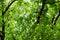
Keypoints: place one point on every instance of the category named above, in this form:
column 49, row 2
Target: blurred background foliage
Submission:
column 21, row 16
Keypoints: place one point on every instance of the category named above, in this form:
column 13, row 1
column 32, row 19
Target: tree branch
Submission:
column 55, row 19
column 3, row 22
column 9, row 6
column 41, row 10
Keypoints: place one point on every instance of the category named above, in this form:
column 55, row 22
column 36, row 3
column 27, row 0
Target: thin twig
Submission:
column 9, row 6
column 55, row 19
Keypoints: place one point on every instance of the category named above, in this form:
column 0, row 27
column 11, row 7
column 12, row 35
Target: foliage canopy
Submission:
column 30, row 19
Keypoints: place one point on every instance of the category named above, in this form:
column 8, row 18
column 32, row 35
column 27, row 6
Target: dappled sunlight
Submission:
column 30, row 20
